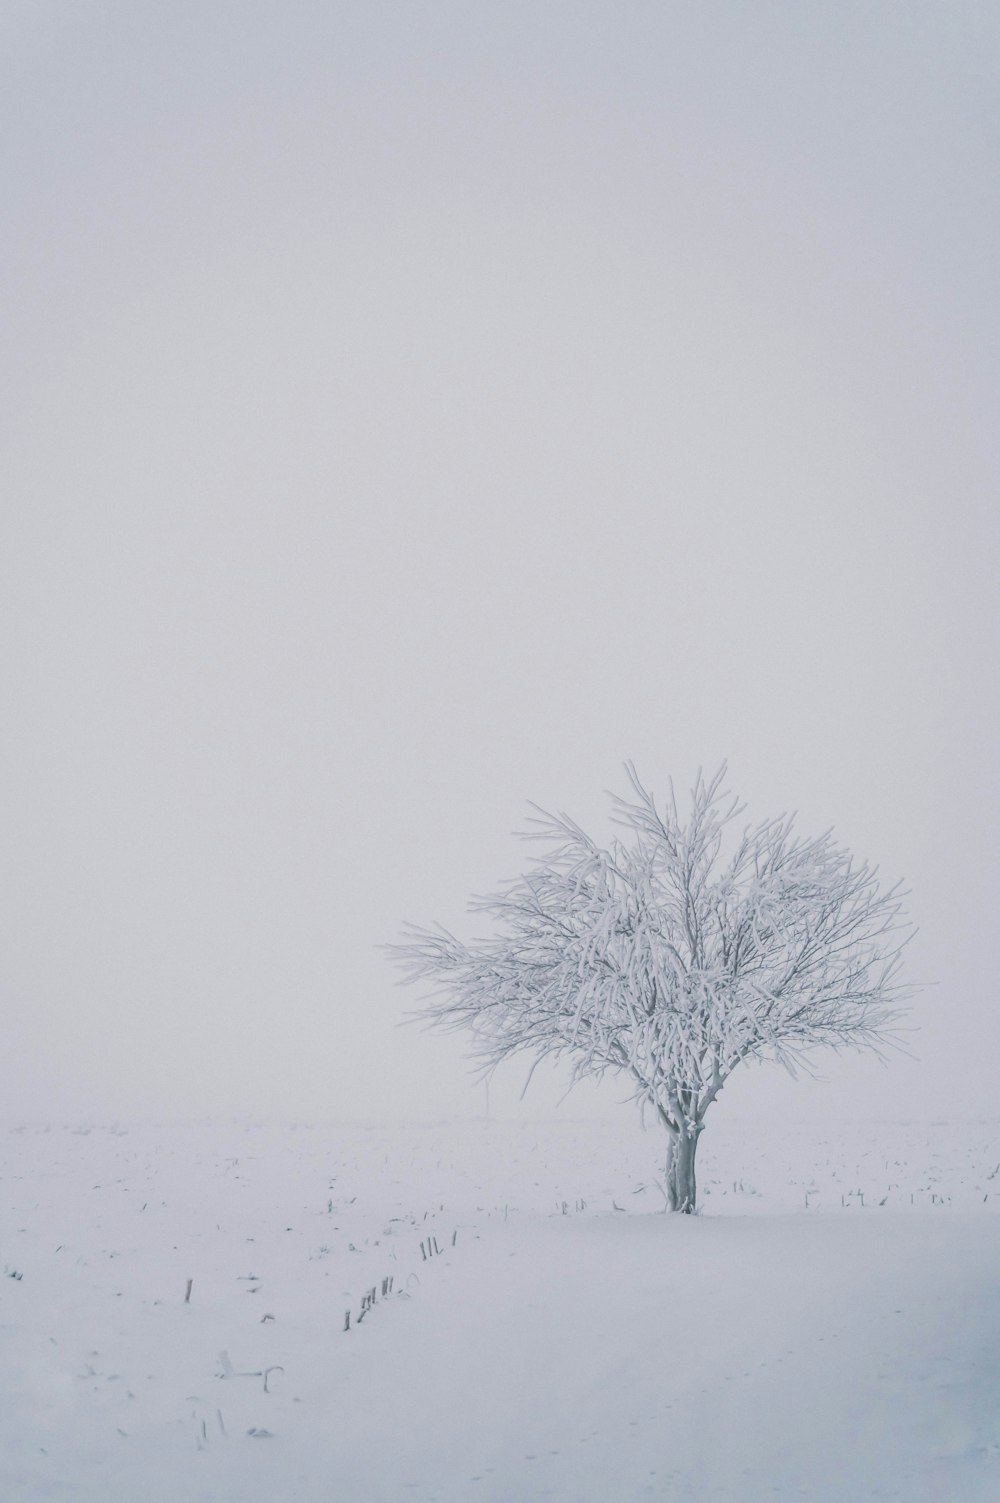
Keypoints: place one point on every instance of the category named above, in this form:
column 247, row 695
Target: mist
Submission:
column 411, row 412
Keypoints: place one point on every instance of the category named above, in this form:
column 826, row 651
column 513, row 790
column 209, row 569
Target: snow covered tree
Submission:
column 672, row 955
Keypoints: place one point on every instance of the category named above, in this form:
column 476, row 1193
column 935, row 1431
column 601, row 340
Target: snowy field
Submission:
column 523, row 1322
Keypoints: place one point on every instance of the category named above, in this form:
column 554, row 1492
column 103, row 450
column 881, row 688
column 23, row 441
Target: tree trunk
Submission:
column 682, row 1190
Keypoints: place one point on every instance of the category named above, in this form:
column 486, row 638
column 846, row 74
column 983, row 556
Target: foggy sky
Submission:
column 413, row 410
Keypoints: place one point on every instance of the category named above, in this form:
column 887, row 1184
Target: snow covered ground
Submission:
column 828, row 1329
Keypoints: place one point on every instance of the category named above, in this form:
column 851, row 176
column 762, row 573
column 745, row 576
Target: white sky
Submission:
column 413, row 410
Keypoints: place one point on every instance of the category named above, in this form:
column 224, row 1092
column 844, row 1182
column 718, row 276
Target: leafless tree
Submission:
column 671, row 955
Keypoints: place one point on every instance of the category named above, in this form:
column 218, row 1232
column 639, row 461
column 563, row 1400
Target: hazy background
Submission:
column 412, row 410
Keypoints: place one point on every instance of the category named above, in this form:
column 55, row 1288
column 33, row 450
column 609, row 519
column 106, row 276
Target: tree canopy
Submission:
column 681, row 948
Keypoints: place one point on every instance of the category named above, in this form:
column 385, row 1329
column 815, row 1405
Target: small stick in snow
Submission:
column 187, row 1292
column 347, row 1320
